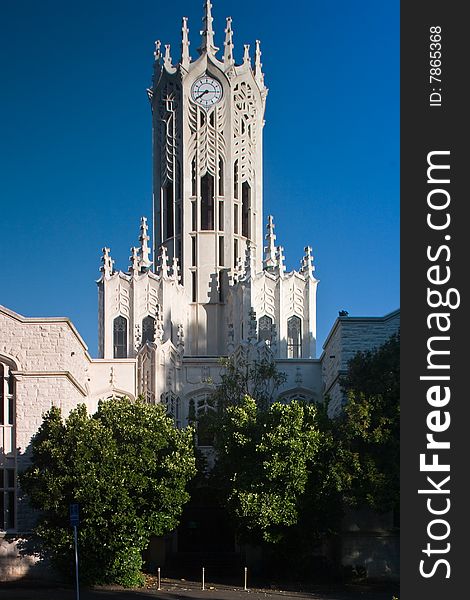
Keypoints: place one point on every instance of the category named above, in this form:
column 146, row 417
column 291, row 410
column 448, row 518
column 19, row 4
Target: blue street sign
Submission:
column 74, row 515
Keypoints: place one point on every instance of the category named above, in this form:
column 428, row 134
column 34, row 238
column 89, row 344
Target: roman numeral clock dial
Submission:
column 206, row 91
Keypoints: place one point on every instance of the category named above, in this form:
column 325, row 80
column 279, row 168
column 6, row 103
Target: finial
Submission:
column 246, row 56
column 207, row 44
column 164, row 268
column 157, row 54
column 175, row 272
column 134, row 258
column 307, row 267
column 281, row 260
column 108, row 263
column 228, row 44
column 144, row 262
column 185, row 58
column 259, row 77
column 167, row 58
column 252, row 326
column 270, row 261
column 249, row 260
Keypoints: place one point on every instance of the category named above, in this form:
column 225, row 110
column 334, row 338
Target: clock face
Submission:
column 206, row 91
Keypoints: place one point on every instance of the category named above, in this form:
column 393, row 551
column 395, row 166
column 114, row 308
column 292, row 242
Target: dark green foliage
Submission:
column 127, row 467
column 262, row 464
column 369, row 429
column 259, row 380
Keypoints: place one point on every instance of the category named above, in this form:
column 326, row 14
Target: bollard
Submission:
column 203, row 578
column 246, row 579
column 159, row 579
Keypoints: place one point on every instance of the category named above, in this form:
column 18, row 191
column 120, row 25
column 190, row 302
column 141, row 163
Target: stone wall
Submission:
column 348, row 336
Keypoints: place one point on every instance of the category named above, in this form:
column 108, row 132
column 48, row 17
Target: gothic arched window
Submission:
column 173, row 407
column 168, row 209
column 265, row 329
column 120, row 337
column 7, row 447
column 202, row 409
column 207, row 202
column 148, row 330
column 294, row 338
column 246, row 201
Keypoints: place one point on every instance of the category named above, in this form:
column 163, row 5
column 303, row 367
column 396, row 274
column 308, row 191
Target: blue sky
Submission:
column 75, row 142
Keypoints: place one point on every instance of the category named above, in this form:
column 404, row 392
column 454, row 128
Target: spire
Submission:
column 108, row 263
column 207, row 44
column 144, row 261
column 270, row 261
column 281, row 260
column 246, row 55
column 228, row 44
column 134, row 258
column 307, row 267
column 167, row 58
column 164, row 268
column 259, row 77
column 157, row 54
column 185, row 58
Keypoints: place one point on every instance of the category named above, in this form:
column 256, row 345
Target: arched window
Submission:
column 246, row 201
column 168, row 209
column 173, row 408
column 7, row 447
column 148, row 330
column 120, row 337
column 294, row 338
column 265, row 329
column 202, row 408
column 207, row 202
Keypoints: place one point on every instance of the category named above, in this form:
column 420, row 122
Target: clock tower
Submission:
column 217, row 284
column 207, row 172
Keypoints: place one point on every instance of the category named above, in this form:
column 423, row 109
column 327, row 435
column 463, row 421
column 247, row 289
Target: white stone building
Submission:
column 217, row 284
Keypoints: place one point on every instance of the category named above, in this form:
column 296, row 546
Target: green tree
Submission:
column 259, row 380
column 369, row 428
column 127, row 467
column 262, row 464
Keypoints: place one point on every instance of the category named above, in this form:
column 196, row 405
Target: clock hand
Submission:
column 201, row 95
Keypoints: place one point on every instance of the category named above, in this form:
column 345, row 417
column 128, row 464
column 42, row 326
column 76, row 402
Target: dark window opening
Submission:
column 265, row 329
column 235, row 253
column 168, row 208
column 194, row 286
column 193, row 178
column 221, row 216
column 212, row 118
column 235, row 218
column 221, row 176
column 235, row 179
column 120, row 337
column 294, row 338
column 246, row 201
column 179, row 179
column 148, row 330
column 221, row 251
column 207, row 202
column 193, row 251
column 193, row 216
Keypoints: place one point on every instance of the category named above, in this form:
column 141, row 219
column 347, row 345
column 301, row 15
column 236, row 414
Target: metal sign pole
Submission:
column 74, row 512
column 76, row 559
